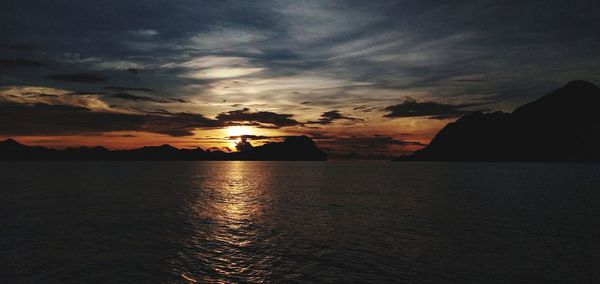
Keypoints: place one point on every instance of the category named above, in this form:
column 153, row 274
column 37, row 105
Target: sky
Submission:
column 367, row 78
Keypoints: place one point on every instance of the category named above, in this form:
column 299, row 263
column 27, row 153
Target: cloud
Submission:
column 331, row 116
column 17, row 46
column 434, row 110
column 52, row 96
column 312, row 21
column 45, row 119
column 48, row 111
column 280, row 84
column 220, row 73
column 225, row 38
column 56, row 111
column 180, row 101
column 363, row 146
column 336, row 54
column 256, row 137
column 471, row 78
column 215, row 67
column 118, row 88
column 373, row 141
column 88, row 78
column 137, row 98
column 376, row 141
column 98, row 63
column 16, row 63
column 260, row 119
column 145, row 33
column 134, row 70
column 365, row 108
column 209, row 61
column 132, row 67
column 74, row 57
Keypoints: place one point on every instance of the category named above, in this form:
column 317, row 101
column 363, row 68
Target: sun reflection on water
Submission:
column 232, row 205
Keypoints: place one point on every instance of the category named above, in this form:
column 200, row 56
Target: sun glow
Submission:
column 238, row 131
column 234, row 132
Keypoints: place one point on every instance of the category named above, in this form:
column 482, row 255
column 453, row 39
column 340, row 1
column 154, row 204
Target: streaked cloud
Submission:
column 219, row 38
column 215, row 67
column 51, row 96
column 329, row 117
column 138, row 98
column 303, row 83
column 87, row 78
column 222, row 72
column 208, row 62
column 145, row 33
column 18, row 63
column 117, row 65
column 260, row 119
column 435, row 110
column 354, row 61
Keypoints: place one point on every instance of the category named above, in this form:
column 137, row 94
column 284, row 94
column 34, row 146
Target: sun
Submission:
column 238, row 131
column 234, row 133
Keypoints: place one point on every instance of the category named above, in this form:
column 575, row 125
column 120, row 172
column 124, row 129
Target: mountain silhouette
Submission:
column 562, row 126
column 293, row 148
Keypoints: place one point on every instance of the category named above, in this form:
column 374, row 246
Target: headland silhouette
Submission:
column 562, row 126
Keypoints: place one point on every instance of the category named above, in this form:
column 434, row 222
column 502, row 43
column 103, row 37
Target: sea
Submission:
column 299, row 222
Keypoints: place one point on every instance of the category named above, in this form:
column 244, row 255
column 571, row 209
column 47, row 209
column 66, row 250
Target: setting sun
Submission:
column 238, row 131
column 269, row 141
column 234, row 133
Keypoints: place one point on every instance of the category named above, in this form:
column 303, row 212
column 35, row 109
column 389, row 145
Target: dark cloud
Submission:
column 434, row 42
column 471, row 80
column 366, row 147
column 179, row 124
column 365, row 108
column 257, row 137
column 261, row 119
column 330, row 54
column 88, row 78
column 17, row 47
column 180, row 101
column 137, row 98
column 331, row 116
column 46, row 95
column 434, row 110
column 45, row 119
column 374, row 141
column 17, row 63
column 362, row 141
column 119, row 88
column 84, row 93
column 318, row 136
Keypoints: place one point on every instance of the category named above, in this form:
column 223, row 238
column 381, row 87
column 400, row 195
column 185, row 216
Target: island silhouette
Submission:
column 563, row 126
column 292, row 148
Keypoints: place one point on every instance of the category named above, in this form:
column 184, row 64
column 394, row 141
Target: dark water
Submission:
column 171, row 222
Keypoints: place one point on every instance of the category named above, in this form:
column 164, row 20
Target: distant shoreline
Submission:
column 293, row 148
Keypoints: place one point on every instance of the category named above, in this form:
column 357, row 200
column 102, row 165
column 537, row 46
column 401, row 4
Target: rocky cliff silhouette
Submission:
column 563, row 126
column 293, row 148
